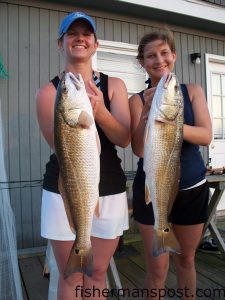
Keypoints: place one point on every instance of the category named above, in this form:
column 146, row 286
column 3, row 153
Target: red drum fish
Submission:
column 77, row 148
column 162, row 147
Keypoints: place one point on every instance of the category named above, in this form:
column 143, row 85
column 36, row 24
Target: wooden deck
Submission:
column 130, row 264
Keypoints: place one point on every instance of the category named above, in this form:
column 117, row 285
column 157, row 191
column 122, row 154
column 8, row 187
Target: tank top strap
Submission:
column 104, row 89
column 55, row 81
column 141, row 96
column 141, row 93
column 188, row 111
column 185, row 91
column 96, row 80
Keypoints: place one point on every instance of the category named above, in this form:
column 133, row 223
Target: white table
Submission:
column 217, row 182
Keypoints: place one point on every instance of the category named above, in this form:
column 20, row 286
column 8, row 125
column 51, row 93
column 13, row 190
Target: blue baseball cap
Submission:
column 69, row 19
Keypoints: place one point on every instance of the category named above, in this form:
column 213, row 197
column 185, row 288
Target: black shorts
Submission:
column 190, row 206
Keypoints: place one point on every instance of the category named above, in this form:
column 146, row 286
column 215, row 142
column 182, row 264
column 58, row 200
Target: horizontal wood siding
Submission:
column 29, row 50
column 217, row 2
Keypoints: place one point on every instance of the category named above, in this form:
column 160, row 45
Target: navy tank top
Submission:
column 112, row 177
column 192, row 165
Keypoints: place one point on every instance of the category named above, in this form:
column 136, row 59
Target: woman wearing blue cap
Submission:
column 108, row 96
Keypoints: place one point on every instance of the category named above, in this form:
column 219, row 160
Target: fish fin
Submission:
column 98, row 142
column 147, row 195
column 146, row 135
column 46, row 270
column 66, row 204
column 165, row 241
column 162, row 120
column 80, row 260
column 71, row 117
column 85, row 120
column 97, row 209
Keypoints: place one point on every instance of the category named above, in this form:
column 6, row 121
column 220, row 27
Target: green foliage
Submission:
column 3, row 73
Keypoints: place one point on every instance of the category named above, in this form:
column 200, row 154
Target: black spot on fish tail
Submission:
column 165, row 241
column 80, row 261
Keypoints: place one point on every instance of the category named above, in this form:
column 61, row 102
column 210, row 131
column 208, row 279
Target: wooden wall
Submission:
column 218, row 2
column 30, row 55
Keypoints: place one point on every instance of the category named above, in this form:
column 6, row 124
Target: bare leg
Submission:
column 157, row 267
column 189, row 237
column 69, row 289
column 103, row 250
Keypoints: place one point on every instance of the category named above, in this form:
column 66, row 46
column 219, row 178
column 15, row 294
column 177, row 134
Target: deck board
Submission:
column 36, row 286
column 212, row 271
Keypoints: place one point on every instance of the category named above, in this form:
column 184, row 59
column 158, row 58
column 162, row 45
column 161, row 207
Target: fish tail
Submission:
column 80, row 260
column 165, row 241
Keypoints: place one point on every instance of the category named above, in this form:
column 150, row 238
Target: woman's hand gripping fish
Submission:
column 77, row 147
column 162, row 146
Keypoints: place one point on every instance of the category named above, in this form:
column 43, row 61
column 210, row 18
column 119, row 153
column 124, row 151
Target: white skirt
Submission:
column 112, row 222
